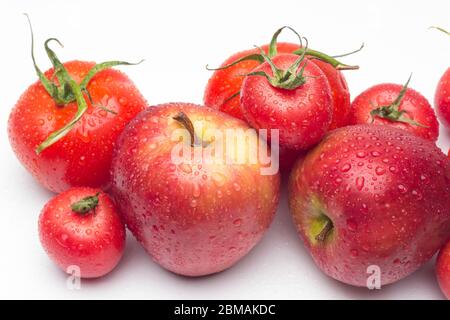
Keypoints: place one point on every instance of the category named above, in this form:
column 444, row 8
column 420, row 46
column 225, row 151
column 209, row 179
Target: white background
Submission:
column 177, row 39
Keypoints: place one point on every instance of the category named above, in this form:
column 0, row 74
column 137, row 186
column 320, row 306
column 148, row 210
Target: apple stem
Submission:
column 86, row 204
column 325, row 231
column 184, row 120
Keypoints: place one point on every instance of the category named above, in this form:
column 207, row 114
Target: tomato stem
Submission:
column 86, row 204
column 392, row 112
column 272, row 52
column 67, row 90
column 441, row 29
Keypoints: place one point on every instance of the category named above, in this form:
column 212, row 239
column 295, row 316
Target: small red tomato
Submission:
column 442, row 99
column 64, row 126
column 81, row 227
column 299, row 104
column 223, row 89
column 443, row 269
column 397, row 106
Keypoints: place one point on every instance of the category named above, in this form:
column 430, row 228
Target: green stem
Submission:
column 85, row 205
column 326, row 58
column 392, row 112
column 82, row 107
column 441, row 29
column 67, row 90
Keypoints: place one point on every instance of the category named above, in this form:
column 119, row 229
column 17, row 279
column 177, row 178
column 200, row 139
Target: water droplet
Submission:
column 237, row 222
column 360, row 183
column 402, row 188
column 346, row 167
column 193, row 203
column 392, row 169
column 196, row 191
column 360, row 154
column 351, row 225
column 375, row 154
column 380, row 171
column 186, row 168
column 354, row 252
column 236, row 186
column 218, row 178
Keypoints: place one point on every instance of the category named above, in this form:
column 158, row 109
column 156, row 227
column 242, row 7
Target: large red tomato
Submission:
column 64, row 127
column 223, row 88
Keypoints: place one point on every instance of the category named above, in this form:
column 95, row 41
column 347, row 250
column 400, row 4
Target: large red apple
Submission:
column 194, row 218
column 371, row 199
column 443, row 269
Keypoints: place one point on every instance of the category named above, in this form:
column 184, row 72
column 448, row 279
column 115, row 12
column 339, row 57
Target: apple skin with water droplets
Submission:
column 83, row 157
column 386, row 195
column 193, row 218
column 442, row 99
column 302, row 115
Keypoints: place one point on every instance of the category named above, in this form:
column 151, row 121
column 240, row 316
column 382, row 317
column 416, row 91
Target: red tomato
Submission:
column 82, row 228
column 83, row 156
column 443, row 269
column 442, row 99
column 222, row 90
column 339, row 93
column 384, row 104
column 303, row 114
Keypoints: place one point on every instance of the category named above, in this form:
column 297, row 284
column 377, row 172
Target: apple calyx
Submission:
column 392, row 112
column 184, row 120
column 86, row 204
column 66, row 90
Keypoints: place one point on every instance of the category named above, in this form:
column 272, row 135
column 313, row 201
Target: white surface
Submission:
column 177, row 39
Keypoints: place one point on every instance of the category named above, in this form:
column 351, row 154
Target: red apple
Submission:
column 195, row 217
column 370, row 197
column 443, row 269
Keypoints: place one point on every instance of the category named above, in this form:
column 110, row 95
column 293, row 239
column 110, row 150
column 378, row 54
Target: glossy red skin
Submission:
column 224, row 83
column 443, row 270
column 194, row 220
column 83, row 156
column 94, row 241
column 417, row 106
column 442, row 99
column 339, row 93
column 387, row 193
column 302, row 115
